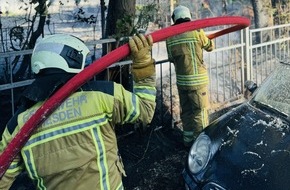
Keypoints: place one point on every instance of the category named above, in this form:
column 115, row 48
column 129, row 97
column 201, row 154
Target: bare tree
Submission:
column 25, row 38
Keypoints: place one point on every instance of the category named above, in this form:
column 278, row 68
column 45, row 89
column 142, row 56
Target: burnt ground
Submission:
column 154, row 159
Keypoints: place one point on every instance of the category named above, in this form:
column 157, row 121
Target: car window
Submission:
column 275, row 91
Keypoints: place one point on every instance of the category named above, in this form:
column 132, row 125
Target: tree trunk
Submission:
column 117, row 10
column 262, row 12
column 263, row 17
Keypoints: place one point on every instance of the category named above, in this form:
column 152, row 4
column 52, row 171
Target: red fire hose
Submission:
column 16, row 144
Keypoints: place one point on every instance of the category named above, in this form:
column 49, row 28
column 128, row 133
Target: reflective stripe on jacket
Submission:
column 76, row 147
column 185, row 51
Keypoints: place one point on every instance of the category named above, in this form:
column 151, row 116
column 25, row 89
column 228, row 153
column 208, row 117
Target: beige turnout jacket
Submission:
column 76, row 148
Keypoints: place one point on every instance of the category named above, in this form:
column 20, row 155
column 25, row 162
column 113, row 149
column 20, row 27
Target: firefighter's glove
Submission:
column 143, row 64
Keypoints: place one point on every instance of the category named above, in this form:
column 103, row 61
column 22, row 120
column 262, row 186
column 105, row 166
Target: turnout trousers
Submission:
column 194, row 112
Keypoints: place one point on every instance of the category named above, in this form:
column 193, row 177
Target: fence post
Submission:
column 248, row 53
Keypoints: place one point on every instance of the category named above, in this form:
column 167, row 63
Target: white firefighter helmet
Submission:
column 181, row 12
column 59, row 51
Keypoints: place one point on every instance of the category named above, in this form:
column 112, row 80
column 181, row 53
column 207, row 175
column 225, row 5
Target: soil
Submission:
column 154, row 159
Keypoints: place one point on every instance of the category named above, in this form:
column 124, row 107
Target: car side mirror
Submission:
column 251, row 86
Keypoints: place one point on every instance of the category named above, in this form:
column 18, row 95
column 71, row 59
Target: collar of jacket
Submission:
column 43, row 87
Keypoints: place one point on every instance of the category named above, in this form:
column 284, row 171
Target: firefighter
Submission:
column 185, row 51
column 76, row 146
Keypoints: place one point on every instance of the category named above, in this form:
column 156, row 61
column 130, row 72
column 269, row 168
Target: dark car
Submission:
column 249, row 146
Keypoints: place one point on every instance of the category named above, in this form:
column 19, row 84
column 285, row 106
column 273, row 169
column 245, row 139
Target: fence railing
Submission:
column 266, row 47
column 239, row 56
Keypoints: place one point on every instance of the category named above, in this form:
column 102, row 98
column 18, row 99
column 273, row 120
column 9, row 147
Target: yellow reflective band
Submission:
column 135, row 110
column 145, row 92
column 191, row 80
column 65, row 130
column 190, row 77
column 31, row 169
column 194, row 57
column 14, row 167
column 101, row 159
column 173, row 42
column 207, row 44
column 204, row 118
column 120, row 186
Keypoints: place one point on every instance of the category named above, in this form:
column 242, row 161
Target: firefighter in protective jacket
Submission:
column 185, row 51
column 76, row 147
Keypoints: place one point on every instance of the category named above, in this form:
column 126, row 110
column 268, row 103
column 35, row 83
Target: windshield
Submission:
column 275, row 91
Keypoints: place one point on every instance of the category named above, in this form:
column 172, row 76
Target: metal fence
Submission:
column 266, row 47
column 239, row 56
